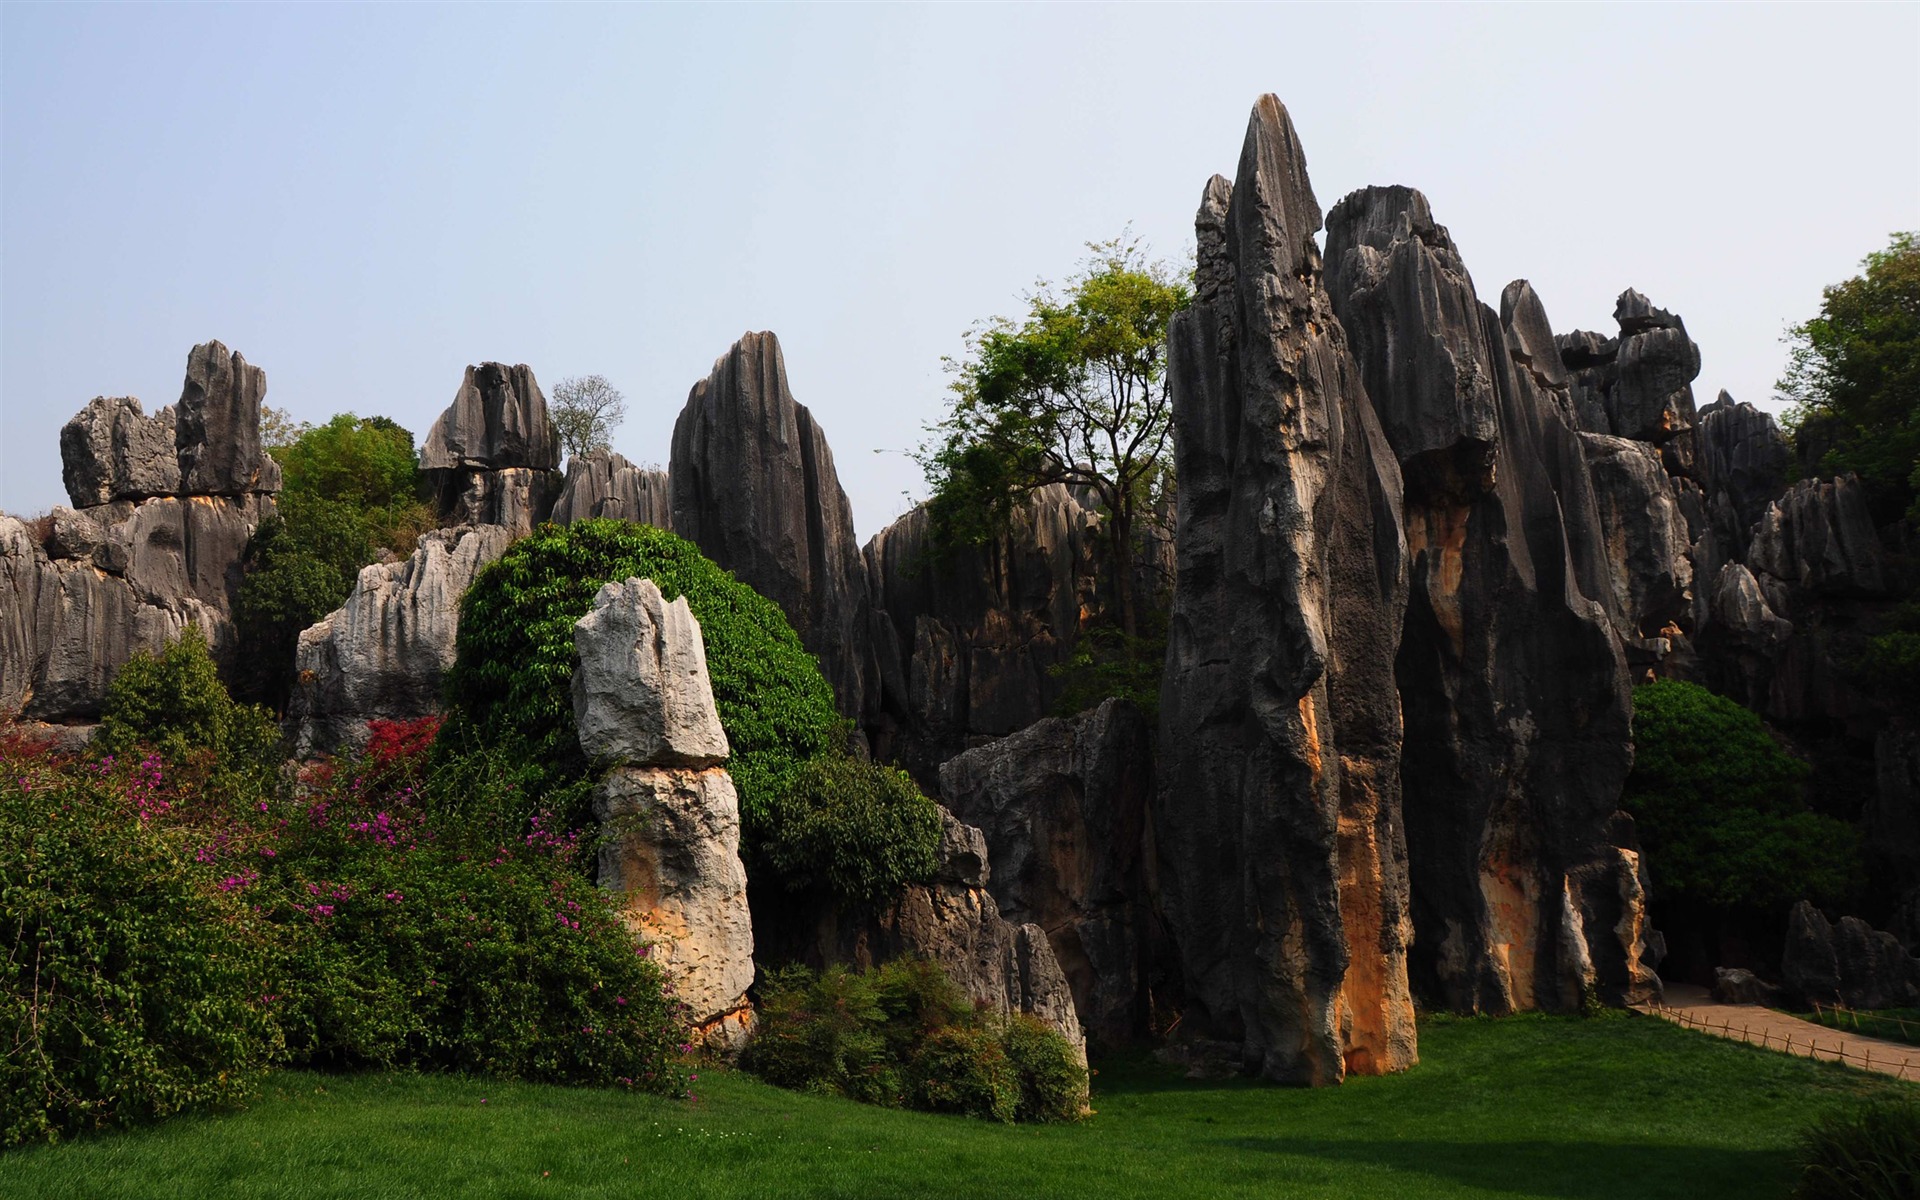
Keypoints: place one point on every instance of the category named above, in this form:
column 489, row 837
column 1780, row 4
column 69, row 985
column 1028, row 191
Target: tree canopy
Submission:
column 1075, row 392
column 586, row 409
column 1854, row 377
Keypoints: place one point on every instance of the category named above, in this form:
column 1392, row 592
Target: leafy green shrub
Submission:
column 1053, row 1084
column 135, row 986
column 1870, row 1152
column 175, row 704
column 1719, row 806
column 854, row 829
column 905, row 1034
column 965, row 1070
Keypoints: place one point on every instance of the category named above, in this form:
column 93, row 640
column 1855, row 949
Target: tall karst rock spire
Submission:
column 1277, row 818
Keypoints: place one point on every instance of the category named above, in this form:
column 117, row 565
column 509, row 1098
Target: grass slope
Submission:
column 1524, row 1107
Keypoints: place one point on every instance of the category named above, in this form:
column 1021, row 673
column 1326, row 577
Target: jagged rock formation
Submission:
column 1282, row 861
column 1526, row 884
column 966, row 638
column 1646, row 536
column 643, row 702
column 1063, row 806
column 954, row 921
column 753, row 485
column 493, row 456
column 1638, row 385
column 163, row 508
column 1820, row 538
column 601, row 483
column 1847, row 963
column 1744, row 457
column 382, row 654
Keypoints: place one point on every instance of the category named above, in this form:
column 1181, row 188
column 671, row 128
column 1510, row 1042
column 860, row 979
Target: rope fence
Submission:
column 1899, row 1066
column 1839, row 1016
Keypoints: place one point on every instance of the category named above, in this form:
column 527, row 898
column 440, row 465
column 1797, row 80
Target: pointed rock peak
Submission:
column 1213, row 265
column 1636, row 314
column 754, row 363
column 217, row 425
column 1280, row 214
column 1381, row 216
column 1530, row 334
column 498, row 419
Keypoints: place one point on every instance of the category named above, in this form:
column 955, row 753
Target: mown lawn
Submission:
column 1528, row 1106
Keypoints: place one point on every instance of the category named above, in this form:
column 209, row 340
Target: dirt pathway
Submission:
column 1695, row 1008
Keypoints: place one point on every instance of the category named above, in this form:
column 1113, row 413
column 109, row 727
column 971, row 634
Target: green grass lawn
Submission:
column 1612, row 1108
column 1892, row 1024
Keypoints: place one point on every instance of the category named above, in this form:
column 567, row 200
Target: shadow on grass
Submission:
column 1565, row 1170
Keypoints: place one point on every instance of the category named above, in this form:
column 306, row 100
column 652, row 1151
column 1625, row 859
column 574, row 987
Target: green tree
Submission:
column 1854, row 376
column 586, row 409
column 1721, row 810
column 1076, row 392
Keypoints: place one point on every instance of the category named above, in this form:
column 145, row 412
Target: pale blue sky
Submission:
column 364, row 199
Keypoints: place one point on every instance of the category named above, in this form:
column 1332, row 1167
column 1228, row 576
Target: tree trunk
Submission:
column 1123, row 569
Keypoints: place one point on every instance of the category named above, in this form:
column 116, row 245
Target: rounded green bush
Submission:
column 134, row 987
column 964, row 1069
column 1053, row 1084
column 510, row 688
column 174, row 704
column 853, row 829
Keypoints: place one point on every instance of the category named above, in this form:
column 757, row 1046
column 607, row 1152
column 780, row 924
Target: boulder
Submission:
column 966, row 638
column 1820, row 537
column 1525, row 884
column 641, row 693
column 643, row 702
column 383, row 653
column 1736, row 985
column 601, row 483
column 111, row 450
column 1281, row 858
column 1638, row 385
column 217, row 426
column 753, row 485
column 1063, row 805
column 1848, row 963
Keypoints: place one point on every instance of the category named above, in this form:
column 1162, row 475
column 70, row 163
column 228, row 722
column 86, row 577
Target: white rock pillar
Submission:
column 644, row 704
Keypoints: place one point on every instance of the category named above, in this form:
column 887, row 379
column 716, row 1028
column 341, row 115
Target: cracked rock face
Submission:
column 601, row 483
column 754, row 486
column 1638, row 385
column 382, row 654
column 1063, row 806
column 1522, row 880
column 1282, row 859
column 111, row 450
column 217, row 426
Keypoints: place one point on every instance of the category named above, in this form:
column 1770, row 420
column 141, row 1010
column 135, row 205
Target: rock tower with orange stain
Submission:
column 1282, row 859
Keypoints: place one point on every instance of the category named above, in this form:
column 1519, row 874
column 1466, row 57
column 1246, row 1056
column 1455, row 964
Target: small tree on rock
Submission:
column 586, row 409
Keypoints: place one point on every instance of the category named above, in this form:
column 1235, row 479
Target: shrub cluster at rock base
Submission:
column 1870, row 1152
column 903, row 1035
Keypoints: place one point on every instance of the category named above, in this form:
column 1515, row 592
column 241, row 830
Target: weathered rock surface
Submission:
column 1412, row 320
column 217, row 426
column 163, row 508
column 1525, row 882
column 641, row 692
column 1281, row 857
column 601, row 483
column 111, row 450
column 966, row 639
column 754, row 486
column 493, row 456
column 642, row 699
column 1063, row 806
column 1646, row 535
column 383, row 654
column 1744, row 456
column 1638, row 385
column 1820, row 537
column 1847, row 963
